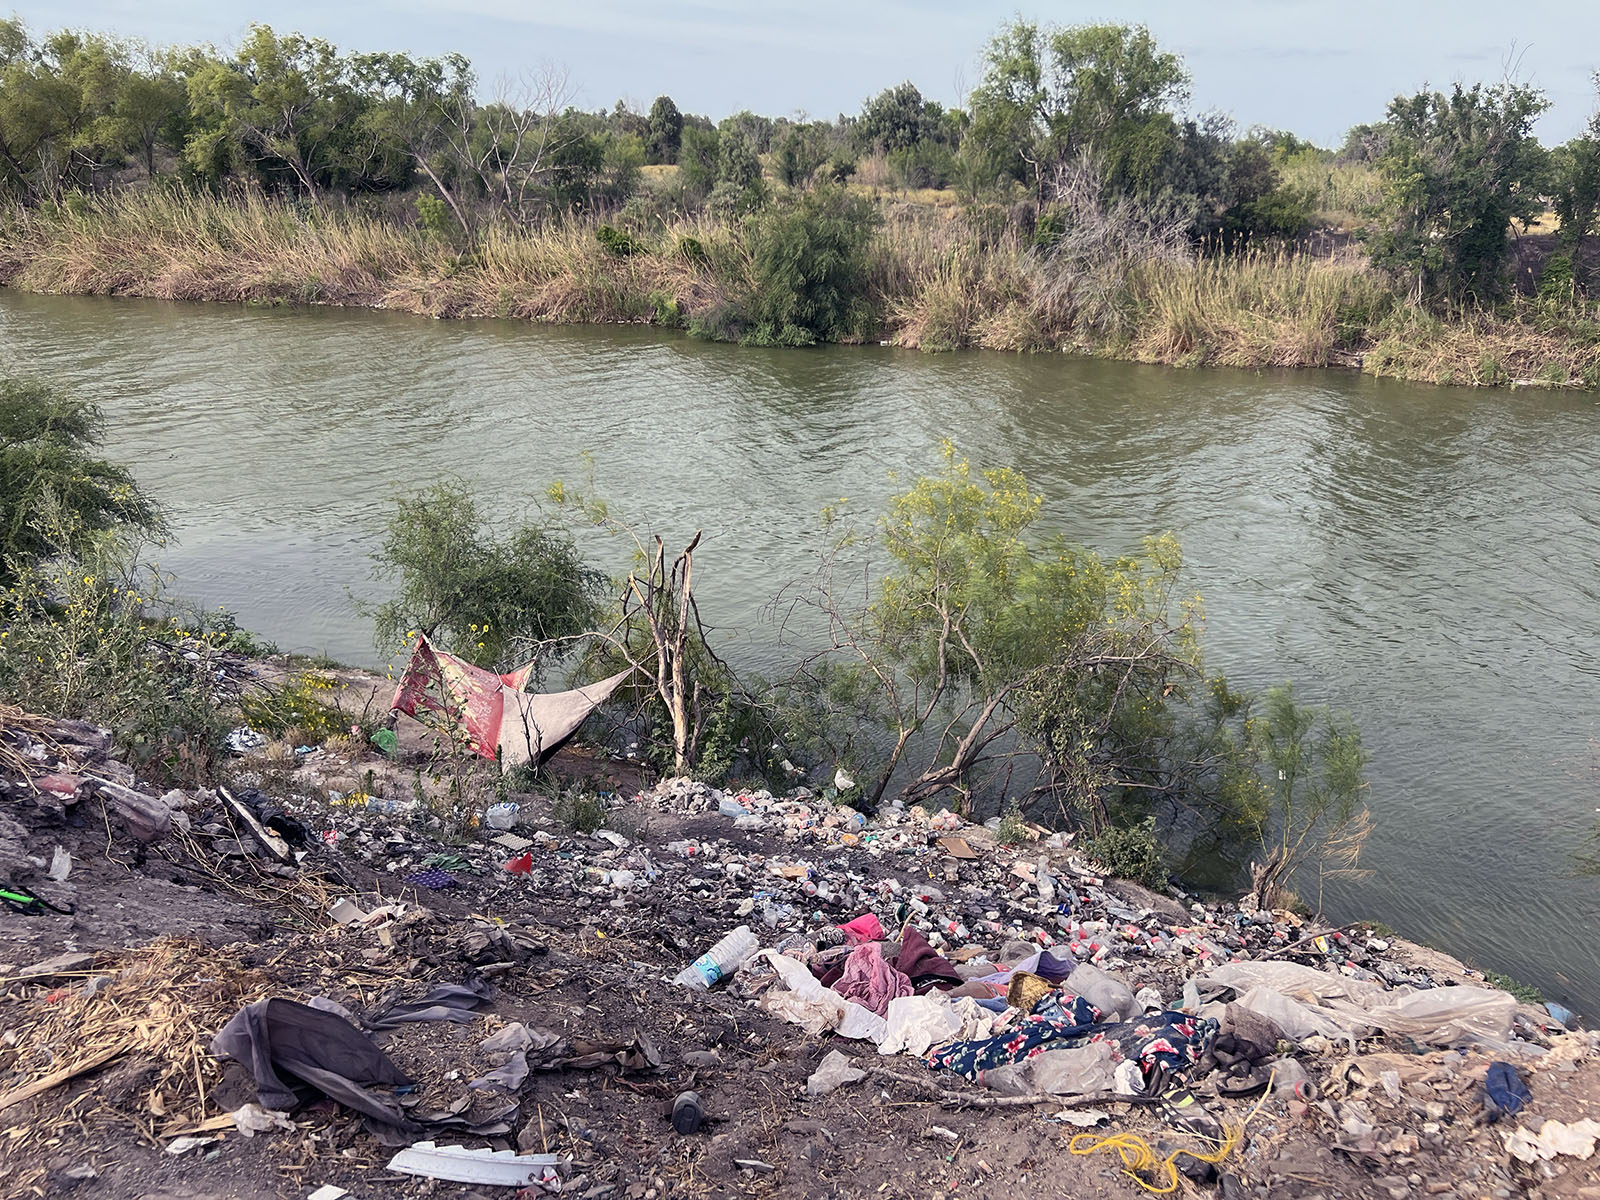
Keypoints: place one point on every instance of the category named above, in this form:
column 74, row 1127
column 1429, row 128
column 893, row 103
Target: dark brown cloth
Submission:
column 923, row 965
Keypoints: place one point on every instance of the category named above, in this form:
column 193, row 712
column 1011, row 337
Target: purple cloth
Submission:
column 1052, row 965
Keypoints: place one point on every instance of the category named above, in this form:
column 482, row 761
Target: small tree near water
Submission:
column 490, row 597
column 1310, row 812
column 47, row 461
column 808, row 267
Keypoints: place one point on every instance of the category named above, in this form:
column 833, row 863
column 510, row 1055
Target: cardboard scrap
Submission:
column 957, row 847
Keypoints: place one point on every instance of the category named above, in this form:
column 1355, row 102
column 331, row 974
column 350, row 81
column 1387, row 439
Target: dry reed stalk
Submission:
column 166, row 1002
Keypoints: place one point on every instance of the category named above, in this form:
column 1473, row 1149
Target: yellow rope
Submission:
column 1137, row 1156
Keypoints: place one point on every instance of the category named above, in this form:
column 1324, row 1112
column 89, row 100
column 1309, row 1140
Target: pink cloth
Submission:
column 870, row 981
column 865, row 928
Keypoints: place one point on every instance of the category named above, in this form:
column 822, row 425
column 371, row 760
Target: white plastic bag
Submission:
column 813, row 1007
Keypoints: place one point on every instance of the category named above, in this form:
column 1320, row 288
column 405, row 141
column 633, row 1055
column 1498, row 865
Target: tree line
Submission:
column 1064, row 120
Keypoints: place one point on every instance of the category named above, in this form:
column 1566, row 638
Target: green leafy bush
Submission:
column 1130, row 852
column 78, row 639
column 809, row 262
column 617, row 243
column 302, row 707
column 46, row 459
column 487, row 596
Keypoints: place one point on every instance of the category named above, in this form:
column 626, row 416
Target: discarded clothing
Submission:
column 1172, row 1040
column 870, row 981
column 916, row 1024
column 297, row 1053
column 447, row 1002
column 923, row 965
column 1504, row 1091
column 865, row 928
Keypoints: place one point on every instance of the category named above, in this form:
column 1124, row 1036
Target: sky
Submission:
column 1311, row 67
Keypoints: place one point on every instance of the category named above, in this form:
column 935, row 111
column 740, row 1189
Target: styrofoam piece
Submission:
column 496, row 1168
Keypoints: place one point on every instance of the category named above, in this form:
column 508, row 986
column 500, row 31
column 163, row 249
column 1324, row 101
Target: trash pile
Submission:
column 700, row 991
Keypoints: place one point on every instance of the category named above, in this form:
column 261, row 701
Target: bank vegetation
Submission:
column 1072, row 204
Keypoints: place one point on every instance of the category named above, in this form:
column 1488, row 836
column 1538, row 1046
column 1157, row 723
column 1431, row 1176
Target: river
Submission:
column 1424, row 558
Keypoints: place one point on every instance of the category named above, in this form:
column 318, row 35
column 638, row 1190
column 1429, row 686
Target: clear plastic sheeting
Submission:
column 815, row 1008
column 1303, row 1001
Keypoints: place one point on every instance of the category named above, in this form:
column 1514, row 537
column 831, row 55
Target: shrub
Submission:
column 77, row 639
column 617, row 243
column 809, row 260
column 46, row 439
column 1130, row 852
column 485, row 596
column 301, row 707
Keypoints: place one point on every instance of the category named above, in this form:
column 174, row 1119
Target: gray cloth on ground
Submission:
column 447, row 1002
column 297, row 1052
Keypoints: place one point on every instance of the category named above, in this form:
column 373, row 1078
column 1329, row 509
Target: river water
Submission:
column 1424, row 558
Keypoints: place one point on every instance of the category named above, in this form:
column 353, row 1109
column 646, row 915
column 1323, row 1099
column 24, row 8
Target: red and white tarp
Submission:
column 491, row 714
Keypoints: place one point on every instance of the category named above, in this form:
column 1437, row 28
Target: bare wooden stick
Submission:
column 29, row 1090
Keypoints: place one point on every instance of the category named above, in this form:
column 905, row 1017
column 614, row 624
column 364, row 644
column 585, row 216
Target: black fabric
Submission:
column 298, row 1053
column 447, row 1002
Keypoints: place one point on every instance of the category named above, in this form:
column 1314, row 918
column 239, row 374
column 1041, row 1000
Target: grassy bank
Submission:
column 940, row 278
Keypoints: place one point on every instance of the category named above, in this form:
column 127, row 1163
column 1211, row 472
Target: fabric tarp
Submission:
column 491, row 713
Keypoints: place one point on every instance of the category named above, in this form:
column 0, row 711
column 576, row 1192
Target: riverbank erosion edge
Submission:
column 936, row 279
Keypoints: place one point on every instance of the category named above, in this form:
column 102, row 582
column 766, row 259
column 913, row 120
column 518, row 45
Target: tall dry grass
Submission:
column 940, row 279
column 175, row 245
column 1267, row 308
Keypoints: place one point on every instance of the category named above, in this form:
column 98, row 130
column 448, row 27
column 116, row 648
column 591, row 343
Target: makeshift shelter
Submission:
column 490, row 714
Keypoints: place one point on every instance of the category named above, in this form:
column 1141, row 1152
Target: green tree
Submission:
column 897, row 118
column 975, row 618
column 491, row 597
column 740, row 188
column 1100, row 92
column 697, row 161
column 57, row 110
column 1312, row 813
column 283, row 103
column 665, row 133
column 423, row 109
column 47, row 442
column 1457, row 170
column 1575, row 181
column 802, row 149
column 151, row 110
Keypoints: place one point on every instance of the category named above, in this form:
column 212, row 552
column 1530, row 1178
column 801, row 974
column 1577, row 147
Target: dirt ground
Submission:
column 594, row 967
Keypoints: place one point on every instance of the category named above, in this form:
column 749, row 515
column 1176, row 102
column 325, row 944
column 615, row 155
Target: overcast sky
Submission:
column 1313, row 67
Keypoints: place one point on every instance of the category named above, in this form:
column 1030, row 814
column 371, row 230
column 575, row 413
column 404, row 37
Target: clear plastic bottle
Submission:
column 720, row 961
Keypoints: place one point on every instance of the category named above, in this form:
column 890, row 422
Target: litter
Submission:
column 834, row 1072
column 457, row 1164
column 1504, row 1092
column 1575, row 1140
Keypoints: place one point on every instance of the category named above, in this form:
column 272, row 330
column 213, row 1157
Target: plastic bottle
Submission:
column 720, row 961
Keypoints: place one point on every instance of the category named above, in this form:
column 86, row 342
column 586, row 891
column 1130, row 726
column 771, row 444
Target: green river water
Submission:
column 1427, row 559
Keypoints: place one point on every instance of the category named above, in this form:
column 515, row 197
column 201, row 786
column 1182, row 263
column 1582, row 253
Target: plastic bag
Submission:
column 1448, row 1015
column 1084, row 1071
column 1292, row 979
column 1300, row 1021
column 1106, row 992
column 813, row 1007
column 833, row 1073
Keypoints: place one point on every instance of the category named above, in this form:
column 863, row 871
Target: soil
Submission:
column 593, row 970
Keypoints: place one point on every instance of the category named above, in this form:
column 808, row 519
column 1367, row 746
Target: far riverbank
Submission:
column 938, row 279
